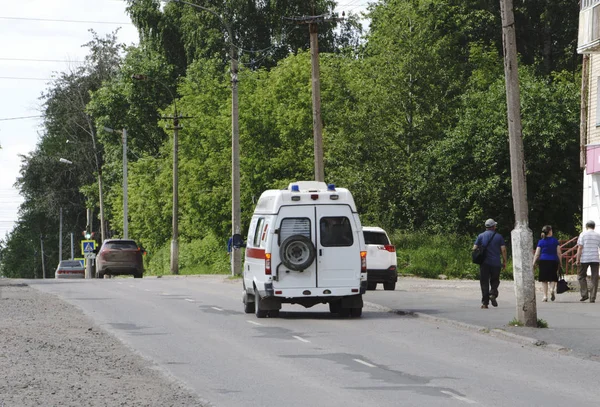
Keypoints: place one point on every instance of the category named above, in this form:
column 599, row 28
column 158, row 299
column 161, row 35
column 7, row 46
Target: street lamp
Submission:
column 175, row 117
column 236, row 264
column 125, row 195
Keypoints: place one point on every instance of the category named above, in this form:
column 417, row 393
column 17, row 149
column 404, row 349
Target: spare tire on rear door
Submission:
column 297, row 252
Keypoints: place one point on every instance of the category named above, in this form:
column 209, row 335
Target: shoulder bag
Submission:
column 561, row 286
column 478, row 255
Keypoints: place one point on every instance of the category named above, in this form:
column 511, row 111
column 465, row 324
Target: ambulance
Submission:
column 305, row 246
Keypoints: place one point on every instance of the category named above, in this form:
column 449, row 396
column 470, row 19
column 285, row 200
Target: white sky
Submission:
column 26, row 35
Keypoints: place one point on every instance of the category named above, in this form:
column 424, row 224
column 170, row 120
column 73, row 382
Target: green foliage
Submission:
column 541, row 323
column 199, row 256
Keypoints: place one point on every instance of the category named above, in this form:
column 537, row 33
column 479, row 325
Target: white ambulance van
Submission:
column 305, row 246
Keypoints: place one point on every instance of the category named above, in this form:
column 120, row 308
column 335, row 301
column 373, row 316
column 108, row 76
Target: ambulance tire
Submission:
column 297, row 252
column 355, row 312
column 249, row 307
column 258, row 311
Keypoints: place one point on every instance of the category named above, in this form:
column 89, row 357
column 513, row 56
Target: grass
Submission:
column 540, row 323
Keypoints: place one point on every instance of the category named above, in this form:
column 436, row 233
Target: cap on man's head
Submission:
column 490, row 223
column 590, row 224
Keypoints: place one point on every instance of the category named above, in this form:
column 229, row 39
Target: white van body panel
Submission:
column 325, row 219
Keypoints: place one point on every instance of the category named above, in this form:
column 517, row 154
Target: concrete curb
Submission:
column 495, row 332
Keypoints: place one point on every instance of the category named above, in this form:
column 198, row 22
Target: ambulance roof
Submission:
column 303, row 193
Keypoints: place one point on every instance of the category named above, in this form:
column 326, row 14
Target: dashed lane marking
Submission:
column 218, row 309
column 362, row 362
column 301, row 339
column 254, row 323
column 190, row 300
column 457, row 397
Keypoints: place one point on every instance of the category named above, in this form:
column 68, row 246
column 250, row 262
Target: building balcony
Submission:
column 588, row 40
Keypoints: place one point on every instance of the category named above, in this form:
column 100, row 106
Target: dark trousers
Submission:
column 489, row 279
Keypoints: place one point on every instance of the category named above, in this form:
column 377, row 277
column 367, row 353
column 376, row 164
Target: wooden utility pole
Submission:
column 42, row 250
column 316, row 102
column 521, row 236
column 313, row 22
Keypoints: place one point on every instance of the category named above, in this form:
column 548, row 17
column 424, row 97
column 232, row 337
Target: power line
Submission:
column 24, row 79
column 63, row 21
column 19, row 118
column 38, row 60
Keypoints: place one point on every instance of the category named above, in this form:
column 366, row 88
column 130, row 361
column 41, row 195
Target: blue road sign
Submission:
column 88, row 246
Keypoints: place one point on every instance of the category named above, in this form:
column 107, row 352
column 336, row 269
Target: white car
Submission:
column 382, row 264
column 70, row 269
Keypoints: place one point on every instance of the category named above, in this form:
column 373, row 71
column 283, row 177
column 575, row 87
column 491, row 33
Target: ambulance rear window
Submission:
column 336, row 232
column 294, row 226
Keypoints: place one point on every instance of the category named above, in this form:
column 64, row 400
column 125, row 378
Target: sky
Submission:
column 37, row 38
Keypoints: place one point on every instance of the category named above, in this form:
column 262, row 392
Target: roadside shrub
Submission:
column 430, row 255
column 200, row 256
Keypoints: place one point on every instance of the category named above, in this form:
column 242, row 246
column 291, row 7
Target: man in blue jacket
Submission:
column 489, row 270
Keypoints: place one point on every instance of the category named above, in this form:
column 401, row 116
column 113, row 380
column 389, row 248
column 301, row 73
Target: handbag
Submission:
column 562, row 286
column 478, row 255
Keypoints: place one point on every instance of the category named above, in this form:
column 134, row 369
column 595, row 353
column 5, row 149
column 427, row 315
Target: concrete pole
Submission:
column 102, row 223
column 125, row 197
column 521, row 236
column 236, row 213
column 175, row 240
column 42, row 249
column 72, row 252
column 583, row 129
column 60, row 236
column 316, row 103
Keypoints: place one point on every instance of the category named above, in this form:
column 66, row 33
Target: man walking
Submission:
column 588, row 245
column 489, row 270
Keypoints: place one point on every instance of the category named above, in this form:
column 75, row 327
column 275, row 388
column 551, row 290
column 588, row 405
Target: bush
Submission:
column 200, row 256
column 427, row 255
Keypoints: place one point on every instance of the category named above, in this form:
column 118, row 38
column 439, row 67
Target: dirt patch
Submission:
column 51, row 354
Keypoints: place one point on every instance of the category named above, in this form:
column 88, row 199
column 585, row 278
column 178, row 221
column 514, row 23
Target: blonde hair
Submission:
column 545, row 230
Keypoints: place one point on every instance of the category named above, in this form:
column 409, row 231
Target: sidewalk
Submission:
column 571, row 324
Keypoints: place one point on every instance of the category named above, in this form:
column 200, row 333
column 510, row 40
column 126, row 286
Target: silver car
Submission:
column 70, row 269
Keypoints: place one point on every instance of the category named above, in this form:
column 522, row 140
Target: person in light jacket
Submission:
column 588, row 245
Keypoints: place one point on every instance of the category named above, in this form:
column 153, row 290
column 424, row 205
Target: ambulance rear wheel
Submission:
column 355, row 312
column 258, row 311
column 249, row 306
column 297, row 252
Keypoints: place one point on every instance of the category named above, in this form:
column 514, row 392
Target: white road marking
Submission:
column 120, row 283
column 132, row 286
column 255, row 323
column 364, row 363
column 301, row 339
column 145, row 289
column 218, row 309
column 457, row 397
column 190, row 300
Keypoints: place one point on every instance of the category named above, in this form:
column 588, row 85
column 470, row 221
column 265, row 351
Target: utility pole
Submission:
column 88, row 262
column 175, row 239
column 72, row 252
column 313, row 22
column 42, row 250
column 521, row 236
column 125, row 198
column 236, row 214
column 60, row 236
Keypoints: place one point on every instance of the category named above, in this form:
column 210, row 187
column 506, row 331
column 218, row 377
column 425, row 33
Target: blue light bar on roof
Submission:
column 295, row 188
column 331, row 187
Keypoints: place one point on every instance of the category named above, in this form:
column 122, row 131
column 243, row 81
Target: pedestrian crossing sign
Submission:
column 88, row 246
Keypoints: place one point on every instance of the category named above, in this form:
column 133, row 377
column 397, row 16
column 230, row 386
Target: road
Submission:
column 195, row 328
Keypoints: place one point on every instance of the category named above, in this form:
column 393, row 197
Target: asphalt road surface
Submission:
column 195, row 329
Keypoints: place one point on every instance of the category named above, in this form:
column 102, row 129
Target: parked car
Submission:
column 69, row 269
column 381, row 259
column 119, row 257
